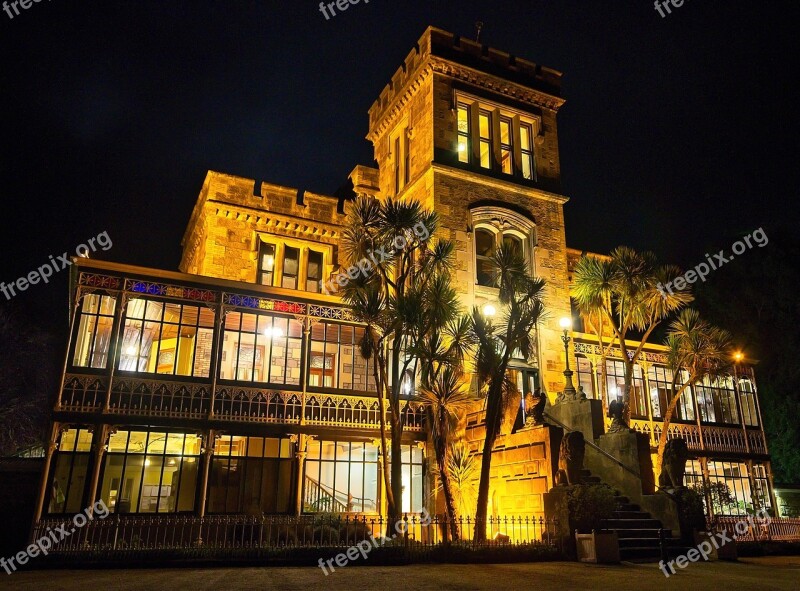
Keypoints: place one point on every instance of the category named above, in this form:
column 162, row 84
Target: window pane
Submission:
column 314, row 274
column 291, row 263
column 266, row 264
column 93, row 334
column 525, row 137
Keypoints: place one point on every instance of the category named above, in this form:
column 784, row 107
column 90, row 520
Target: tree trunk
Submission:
column 667, row 419
column 492, row 428
column 397, row 473
column 450, row 506
column 627, row 395
column 381, row 383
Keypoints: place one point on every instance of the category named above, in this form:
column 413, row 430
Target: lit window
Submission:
column 291, row 265
column 484, row 248
column 485, row 128
column 335, row 360
column 526, row 148
column 341, row 477
column 166, row 338
column 506, row 148
column 314, row 272
column 266, row 268
column 261, row 348
column 94, row 331
column 464, row 142
column 152, row 472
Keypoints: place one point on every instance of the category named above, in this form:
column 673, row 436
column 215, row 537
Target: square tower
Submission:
column 471, row 133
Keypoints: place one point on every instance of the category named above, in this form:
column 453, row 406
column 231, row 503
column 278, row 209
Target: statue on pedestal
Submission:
column 570, row 459
column 673, row 465
column 535, row 409
column 616, row 411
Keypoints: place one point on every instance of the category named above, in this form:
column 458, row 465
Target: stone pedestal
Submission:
column 585, row 416
column 556, row 508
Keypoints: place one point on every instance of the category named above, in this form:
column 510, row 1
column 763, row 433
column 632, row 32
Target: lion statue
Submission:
column 673, row 466
column 570, row 459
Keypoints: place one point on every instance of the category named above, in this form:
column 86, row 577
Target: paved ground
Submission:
column 749, row 573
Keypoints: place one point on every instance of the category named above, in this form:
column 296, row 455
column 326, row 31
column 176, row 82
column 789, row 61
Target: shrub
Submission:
column 690, row 512
column 589, row 505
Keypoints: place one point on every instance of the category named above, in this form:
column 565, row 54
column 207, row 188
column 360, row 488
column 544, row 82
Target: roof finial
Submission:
column 479, row 27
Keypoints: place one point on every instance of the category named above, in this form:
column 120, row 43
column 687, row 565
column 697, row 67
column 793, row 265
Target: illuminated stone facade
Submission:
column 235, row 385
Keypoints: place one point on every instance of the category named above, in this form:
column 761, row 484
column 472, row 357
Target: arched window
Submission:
column 494, row 225
column 484, row 248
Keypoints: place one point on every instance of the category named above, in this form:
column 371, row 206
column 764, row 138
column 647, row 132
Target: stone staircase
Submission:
column 637, row 531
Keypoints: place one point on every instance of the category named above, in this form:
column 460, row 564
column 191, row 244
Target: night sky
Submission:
column 678, row 134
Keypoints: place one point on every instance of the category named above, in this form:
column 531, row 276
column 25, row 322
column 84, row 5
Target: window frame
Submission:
column 263, row 247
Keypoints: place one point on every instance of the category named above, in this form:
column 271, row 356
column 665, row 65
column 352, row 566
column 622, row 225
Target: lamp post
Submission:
column 569, row 388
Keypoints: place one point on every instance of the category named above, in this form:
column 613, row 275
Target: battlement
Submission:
column 437, row 43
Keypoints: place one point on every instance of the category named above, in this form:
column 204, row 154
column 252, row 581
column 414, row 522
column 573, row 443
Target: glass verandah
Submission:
column 158, row 472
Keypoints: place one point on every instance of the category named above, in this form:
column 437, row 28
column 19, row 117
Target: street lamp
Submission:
column 569, row 389
column 489, row 310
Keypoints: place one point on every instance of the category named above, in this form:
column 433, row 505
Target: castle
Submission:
column 235, row 385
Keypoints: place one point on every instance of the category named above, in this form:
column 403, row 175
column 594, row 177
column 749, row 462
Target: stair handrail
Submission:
column 603, row 452
column 337, row 495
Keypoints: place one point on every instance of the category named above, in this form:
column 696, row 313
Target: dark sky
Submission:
column 678, row 132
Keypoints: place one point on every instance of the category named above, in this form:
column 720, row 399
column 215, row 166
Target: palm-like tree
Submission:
column 403, row 298
column 462, row 470
column 521, row 295
column 695, row 350
column 628, row 291
column 446, row 398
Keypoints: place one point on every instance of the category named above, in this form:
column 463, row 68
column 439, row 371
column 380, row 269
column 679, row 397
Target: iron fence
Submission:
column 755, row 529
column 225, row 532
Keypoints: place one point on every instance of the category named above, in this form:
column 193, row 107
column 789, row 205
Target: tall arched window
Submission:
column 494, row 225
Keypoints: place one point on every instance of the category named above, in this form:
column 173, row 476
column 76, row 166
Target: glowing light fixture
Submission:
column 738, row 356
column 130, row 350
column 269, row 262
column 273, row 332
column 565, row 323
column 489, row 310
column 462, row 147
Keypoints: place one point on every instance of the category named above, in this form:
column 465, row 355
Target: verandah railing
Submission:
column 184, row 400
column 222, row 532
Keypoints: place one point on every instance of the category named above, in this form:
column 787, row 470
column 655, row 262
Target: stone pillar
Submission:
column 56, row 430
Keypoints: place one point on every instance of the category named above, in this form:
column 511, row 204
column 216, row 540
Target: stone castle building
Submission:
column 235, row 385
